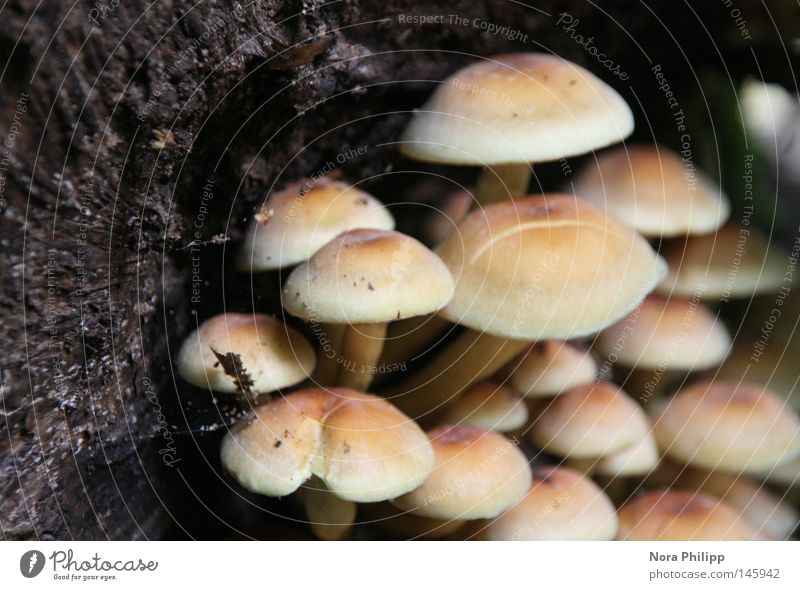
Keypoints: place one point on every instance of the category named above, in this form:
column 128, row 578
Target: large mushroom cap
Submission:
column 359, row 445
column 521, row 107
column 270, row 354
column 546, row 267
column 681, row 516
column 667, row 334
column 590, row 421
column 736, row 261
column 478, row 474
column 650, row 189
column 552, row 367
column 299, row 220
column 561, row 505
column 729, row 426
column 368, row 276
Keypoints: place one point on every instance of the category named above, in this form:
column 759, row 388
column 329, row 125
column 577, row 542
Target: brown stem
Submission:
column 361, row 350
column 502, row 182
column 329, row 517
column 328, row 357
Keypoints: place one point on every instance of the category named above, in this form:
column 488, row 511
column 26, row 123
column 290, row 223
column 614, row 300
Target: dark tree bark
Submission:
column 139, row 138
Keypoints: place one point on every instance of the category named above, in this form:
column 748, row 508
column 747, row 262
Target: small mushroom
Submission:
column 478, row 474
column 728, row 426
column 245, row 353
column 636, row 460
column 561, row 505
column 530, row 269
column 734, row 262
column 648, row 188
column 488, row 405
column 551, row 367
column 590, row 421
column 665, row 515
column 508, row 111
column 366, row 279
column 358, row 446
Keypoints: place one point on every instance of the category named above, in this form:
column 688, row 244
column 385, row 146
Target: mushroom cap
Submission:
column 520, row 107
column 736, row 261
column 636, row 460
column 650, row 189
column 552, row 367
column 478, row 474
column 728, row 426
column 667, row 334
column 665, row 515
column 766, row 512
column 590, row 421
column 272, row 354
column 561, row 505
column 299, row 220
column 360, row 446
column 368, row 276
column 546, row 267
column 488, row 405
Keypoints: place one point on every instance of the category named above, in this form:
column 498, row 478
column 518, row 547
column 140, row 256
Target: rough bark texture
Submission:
column 139, row 138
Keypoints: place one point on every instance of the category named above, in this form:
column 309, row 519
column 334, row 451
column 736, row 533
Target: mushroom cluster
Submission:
column 575, row 395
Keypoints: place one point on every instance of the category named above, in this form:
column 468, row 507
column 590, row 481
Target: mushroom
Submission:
column 296, row 222
column 736, row 261
column 662, row 340
column 358, row 446
column 508, row 111
column 650, row 189
column 561, row 505
column 551, row 367
column 488, row 405
column 768, row 514
column 245, row 353
column 590, row 421
column 477, row 474
column 635, row 460
column 665, row 515
column 365, row 279
column 531, row 269
column 727, row 426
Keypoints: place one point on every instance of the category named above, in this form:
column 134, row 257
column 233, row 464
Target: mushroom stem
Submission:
column 328, row 359
column 408, row 337
column 361, row 350
column 471, row 357
column 329, row 517
column 502, row 181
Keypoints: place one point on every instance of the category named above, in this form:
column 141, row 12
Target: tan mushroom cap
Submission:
column 736, row 261
column 272, row 354
column 546, row 267
column 368, row 276
column 667, row 334
column 521, row 107
column 665, row 515
column 636, row 460
column 590, row 421
column 488, row 405
column 561, row 505
column 478, row 474
column 650, row 189
column 728, row 426
column 299, row 220
column 765, row 511
column 551, row 367
column 360, row 446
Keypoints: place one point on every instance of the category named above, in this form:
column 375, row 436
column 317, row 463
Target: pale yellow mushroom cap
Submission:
column 360, row 446
column 546, row 267
column 520, row 107
column 271, row 354
column 489, row 405
column 551, row 367
column 650, row 189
